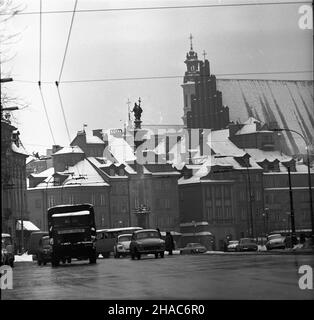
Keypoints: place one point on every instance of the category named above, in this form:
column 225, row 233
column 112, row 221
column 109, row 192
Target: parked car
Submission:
column 34, row 242
column 44, row 251
column 7, row 250
column 146, row 241
column 122, row 246
column 275, row 241
column 192, row 248
column 247, row 244
column 232, row 245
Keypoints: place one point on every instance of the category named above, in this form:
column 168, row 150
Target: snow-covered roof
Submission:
column 288, row 103
column 260, row 155
column 27, row 225
column 93, row 140
column 119, row 149
column 72, row 149
column 219, row 142
column 81, row 174
column 19, row 149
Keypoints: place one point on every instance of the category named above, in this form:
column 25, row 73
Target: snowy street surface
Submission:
column 173, row 277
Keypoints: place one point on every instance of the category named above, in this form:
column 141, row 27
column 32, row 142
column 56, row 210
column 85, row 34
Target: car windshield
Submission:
column 274, row 236
column 71, row 221
column 247, row 240
column 194, row 245
column 125, row 238
column 233, row 242
column 147, row 234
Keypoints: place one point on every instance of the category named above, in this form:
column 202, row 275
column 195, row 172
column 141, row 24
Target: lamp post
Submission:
column 309, row 175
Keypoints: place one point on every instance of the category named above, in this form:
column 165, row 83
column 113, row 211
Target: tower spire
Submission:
column 191, row 43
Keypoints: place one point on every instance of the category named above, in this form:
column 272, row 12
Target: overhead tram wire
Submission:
column 61, row 70
column 168, row 7
column 175, row 77
column 172, row 77
column 39, row 75
column 68, row 40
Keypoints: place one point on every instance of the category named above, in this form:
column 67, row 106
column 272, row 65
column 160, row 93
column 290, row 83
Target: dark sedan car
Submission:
column 192, row 248
column 247, row 244
column 146, row 241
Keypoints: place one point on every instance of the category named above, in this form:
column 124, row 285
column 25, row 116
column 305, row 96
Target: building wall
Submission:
column 39, row 200
column 225, row 204
column 13, row 183
column 277, row 200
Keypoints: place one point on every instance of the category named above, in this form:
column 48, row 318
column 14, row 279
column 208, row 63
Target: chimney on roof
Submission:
column 98, row 133
column 234, row 128
column 56, row 148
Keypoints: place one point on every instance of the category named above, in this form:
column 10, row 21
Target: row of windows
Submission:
column 219, row 213
column 95, row 199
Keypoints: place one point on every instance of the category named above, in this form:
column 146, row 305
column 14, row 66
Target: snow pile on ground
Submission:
column 23, row 258
column 262, row 248
column 298, row 246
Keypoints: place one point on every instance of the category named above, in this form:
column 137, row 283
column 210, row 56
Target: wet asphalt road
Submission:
column 174, row 277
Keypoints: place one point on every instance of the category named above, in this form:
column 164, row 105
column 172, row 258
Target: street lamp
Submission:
column 308, row 171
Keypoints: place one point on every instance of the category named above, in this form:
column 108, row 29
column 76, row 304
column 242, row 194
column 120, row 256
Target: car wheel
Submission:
column 63, row 261
column 105, row 254
column 138, row 256
column 55, row 262
column 156, row 255
column 39, row 262
column 162, row 254
column 69, row 260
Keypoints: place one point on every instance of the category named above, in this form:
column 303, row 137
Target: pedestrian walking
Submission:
column 169, row 242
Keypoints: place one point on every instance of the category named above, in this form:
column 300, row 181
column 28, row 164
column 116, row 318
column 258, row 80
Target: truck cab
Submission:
column 72, row 233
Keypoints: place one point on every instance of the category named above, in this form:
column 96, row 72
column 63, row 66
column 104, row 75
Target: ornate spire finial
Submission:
column 191, row 44
column 204, row 54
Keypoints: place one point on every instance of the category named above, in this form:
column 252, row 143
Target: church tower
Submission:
column 203, row 106
column 191, row 74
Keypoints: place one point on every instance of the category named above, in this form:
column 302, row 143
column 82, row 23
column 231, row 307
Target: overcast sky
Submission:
column 140, row 43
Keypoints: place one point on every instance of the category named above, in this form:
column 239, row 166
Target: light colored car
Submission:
column 275, row 241
column 122, row 246
column 193, row 248
column 232, row 246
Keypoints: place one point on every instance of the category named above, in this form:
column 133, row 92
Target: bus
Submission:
column 72, row 233
column 106, row 239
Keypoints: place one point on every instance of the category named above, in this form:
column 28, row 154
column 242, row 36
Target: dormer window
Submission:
column 112, row 172
column 121, row 172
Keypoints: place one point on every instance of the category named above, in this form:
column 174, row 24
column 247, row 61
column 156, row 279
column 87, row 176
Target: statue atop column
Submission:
column 137, row 110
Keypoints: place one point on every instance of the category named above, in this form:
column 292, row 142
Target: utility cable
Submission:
column 168, row 7
column 68, row 40
column 40, row 40
column 44, row 104
column 63, row 113
column 177, row 76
